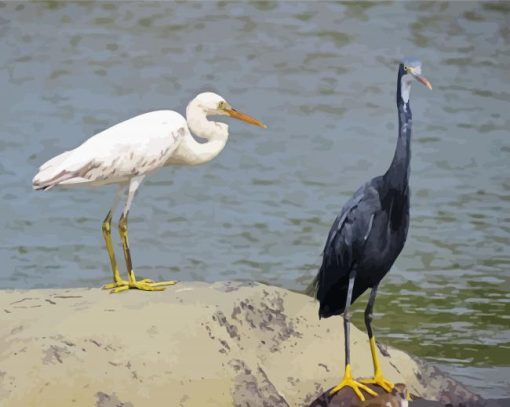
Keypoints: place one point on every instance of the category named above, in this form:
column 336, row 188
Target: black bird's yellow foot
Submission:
column 380, row 381
column 144, row 285
column 348, row 381
column 378, row 378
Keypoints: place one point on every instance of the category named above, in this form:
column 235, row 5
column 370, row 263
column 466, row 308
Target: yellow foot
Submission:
column 348, row 381
column 380, row 381
column 122, row 283
column 144, row 285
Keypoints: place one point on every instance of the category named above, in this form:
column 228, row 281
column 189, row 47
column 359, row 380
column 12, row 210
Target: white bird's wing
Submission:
column 54, row 161
column 134, row 147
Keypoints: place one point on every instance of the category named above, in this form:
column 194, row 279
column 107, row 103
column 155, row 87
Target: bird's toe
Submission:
column 146, row 280
column 381, row 382
column 146, row 286
column 163, row 283
column 355, row 386
column 143, row 285
column 115, row 284
column 119, row 289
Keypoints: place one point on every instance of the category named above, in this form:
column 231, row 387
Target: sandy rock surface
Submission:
column 195, row 344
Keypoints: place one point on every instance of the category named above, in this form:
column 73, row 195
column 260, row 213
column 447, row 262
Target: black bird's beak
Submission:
column 422, row 80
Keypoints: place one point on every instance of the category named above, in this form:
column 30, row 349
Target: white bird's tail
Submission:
column 50, row 174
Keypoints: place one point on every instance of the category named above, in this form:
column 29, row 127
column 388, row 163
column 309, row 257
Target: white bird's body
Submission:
column 128, row 151
column 137, row 146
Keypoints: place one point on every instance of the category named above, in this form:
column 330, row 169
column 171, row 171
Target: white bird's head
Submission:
column 211, row 104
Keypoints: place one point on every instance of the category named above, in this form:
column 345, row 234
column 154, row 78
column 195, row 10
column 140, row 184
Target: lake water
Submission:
column 322, row 77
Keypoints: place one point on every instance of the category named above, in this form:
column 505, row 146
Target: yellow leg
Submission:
column 107, row 235
column 122, row 285
column 378, row 378
column 348, row 381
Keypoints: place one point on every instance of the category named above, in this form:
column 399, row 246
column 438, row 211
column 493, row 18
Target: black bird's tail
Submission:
column 332, row 298
column 312, row 288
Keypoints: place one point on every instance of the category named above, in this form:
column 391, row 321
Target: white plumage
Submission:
column 126, row 152
column 134, row 147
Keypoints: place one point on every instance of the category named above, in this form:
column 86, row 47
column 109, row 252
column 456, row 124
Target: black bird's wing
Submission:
column 344, row 248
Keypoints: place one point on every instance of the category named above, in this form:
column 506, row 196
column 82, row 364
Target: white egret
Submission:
column 127, row 152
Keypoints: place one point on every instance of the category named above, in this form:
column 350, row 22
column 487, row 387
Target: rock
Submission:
column 447, row 392
column 195, row 344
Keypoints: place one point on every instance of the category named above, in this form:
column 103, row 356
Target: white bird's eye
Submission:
column 221, row 105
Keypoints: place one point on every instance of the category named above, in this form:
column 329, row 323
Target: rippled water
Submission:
column 322, row 76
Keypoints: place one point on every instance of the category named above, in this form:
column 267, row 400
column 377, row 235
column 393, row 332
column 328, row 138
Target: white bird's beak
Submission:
column 244, row 117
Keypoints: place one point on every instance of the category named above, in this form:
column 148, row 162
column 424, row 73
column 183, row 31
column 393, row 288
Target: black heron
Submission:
column 368, row 235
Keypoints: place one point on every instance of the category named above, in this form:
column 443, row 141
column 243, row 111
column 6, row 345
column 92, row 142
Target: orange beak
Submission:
column 245, row 118
column 423, row 80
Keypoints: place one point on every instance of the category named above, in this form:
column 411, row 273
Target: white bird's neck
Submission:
column 215, row 134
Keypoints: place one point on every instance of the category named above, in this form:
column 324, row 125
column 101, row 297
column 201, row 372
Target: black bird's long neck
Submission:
column 398, row 172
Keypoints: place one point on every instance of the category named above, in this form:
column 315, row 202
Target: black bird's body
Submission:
column 371, row 229
column 368, row 235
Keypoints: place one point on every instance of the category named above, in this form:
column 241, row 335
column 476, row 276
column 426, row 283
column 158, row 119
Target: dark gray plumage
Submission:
column 371, row 229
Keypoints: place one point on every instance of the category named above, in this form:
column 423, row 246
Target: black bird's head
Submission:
column 409, row 70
